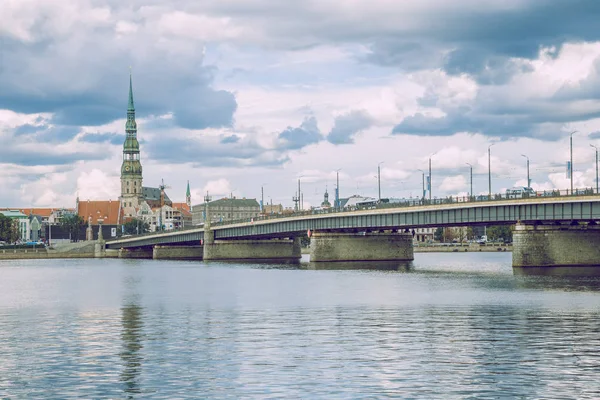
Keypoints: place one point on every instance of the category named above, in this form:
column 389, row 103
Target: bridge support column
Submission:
column 100, row 249
column 142, row 252
column 388, row 246
column 178, row 252
column 268, row 250
column 556, row 246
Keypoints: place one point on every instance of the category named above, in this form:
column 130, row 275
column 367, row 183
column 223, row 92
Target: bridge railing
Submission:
column 413, row 202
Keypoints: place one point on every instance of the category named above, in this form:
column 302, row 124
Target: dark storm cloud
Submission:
column 346, row 126
column 481, row 43
column 296, row 138
column 91, row 89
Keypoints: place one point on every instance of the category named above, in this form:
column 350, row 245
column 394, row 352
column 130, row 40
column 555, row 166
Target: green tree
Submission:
column 72, row 224
column 135, row 226
column 438, row 234
column 500, row 232
column 9, row 231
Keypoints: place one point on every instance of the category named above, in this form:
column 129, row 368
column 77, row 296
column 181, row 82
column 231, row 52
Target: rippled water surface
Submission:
column 448, row 326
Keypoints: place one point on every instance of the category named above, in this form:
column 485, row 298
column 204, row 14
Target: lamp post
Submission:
column 528, row 180
column 300, row 198
column 337, row 189
column 423, row 192
column 571, row 153
column 596, row 148
column 471, row 167
column 206, row 215
column 430, row 183
column 379, row 179
column 490, row 171
column 262, row 198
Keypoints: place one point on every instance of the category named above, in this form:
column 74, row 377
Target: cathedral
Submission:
column 136, row 202
column 151, row 205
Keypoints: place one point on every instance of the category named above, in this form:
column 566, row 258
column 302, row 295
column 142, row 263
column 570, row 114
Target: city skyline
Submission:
column 234, row 103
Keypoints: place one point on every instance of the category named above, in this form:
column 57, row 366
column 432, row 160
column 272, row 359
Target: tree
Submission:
column 438, row 234
column 9, row 231
column 135, row 226
column 72, row 224
column 500, row 232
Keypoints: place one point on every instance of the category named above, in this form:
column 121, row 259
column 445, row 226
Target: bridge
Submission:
column 547, row 228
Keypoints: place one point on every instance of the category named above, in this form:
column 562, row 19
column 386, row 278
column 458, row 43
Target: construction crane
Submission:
column 162, row 188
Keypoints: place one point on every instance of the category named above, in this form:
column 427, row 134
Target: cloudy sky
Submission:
column 233, row 95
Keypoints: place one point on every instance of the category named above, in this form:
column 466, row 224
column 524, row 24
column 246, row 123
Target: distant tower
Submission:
column 188, row 196
column 325, row 203
column 131, row 169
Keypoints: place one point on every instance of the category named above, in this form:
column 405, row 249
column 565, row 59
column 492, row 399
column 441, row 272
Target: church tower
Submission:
column 131, row 169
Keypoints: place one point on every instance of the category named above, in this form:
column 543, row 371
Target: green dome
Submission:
column 131, row 167
column 131, row 144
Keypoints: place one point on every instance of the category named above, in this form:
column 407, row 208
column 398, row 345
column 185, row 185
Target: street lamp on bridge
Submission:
column 471, row 168
column 528, row 180
column 379, row 179
column 596, row 147
column 423, row 192
column 430, row 184
column 490, row 171
column 571, row 169
column 337, row 189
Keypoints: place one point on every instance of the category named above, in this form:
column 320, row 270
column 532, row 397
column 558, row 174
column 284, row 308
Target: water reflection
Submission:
column 558, row 271
column 400, row 266
column 132, row 338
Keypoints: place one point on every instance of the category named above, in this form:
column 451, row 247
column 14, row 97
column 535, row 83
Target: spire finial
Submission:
column 130, row 106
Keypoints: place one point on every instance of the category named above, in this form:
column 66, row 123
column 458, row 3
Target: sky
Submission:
column 235, row 95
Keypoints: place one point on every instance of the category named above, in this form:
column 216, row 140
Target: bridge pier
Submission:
column 136, row 253
column 271, row 250
column 363, row 246
column 576, row 245
column 178, row 252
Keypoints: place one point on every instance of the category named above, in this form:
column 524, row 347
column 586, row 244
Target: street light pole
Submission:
column 337, row 189
column 596, row 148
column 423, row 192
column 571, row 151
column 471, row 180
column 379, row 179
column 430, row 183
column 528, row 180
column 490, row 172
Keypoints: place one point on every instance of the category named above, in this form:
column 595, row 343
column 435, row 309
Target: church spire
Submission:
column 130, row 106
column 188, row 195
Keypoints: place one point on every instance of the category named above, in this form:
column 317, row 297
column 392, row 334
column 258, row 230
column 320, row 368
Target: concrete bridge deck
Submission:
column 584, row 208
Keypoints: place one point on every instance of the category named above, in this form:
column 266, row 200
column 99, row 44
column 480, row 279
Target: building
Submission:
column 325, row 204
column 424, row 235
column 22, row 221
column 271, row 209
column 226, row 209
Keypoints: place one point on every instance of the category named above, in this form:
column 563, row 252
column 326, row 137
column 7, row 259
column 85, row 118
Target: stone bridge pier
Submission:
column 361, row 246
column 252, row 250
column 564, row 245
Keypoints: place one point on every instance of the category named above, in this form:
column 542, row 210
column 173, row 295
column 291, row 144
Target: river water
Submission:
column 447, row 326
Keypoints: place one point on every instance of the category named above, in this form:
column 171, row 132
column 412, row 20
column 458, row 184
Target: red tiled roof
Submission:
column 181, row 206
column 42, row 212
column 108, row 210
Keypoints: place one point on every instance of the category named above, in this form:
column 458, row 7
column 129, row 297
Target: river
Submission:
column 447, row 326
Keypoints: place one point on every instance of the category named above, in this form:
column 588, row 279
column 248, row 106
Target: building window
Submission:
column 127, row 189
